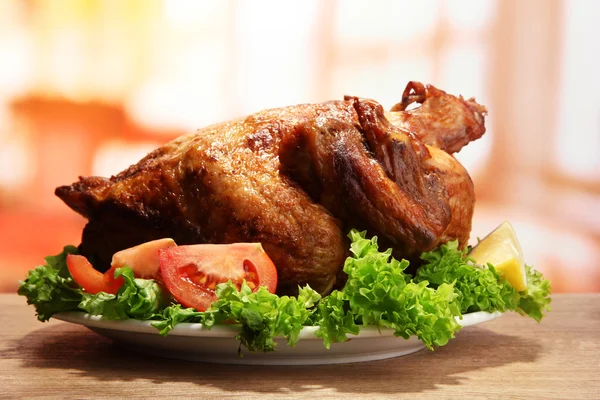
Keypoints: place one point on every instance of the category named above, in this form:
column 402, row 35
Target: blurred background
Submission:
column 89, row 87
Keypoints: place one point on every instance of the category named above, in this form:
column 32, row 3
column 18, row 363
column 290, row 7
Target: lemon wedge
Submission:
column 501, row 249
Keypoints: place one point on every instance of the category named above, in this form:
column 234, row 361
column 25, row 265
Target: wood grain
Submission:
column 509, row 358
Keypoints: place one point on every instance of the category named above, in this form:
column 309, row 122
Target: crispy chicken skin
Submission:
column 296, row 179
column 442, row 120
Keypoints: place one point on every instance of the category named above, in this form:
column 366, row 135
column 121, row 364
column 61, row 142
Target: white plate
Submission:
column 218, row 345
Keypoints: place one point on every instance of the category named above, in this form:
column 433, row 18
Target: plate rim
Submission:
column 230, row 331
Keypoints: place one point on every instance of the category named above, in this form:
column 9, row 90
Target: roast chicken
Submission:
column 297, row 179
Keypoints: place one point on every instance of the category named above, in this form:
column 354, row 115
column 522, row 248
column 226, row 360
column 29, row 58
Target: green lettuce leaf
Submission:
column 262, row 315
column 137, row 298
column 334, row 319
column 482, row 289
column 477, row 289
column 536, row 299
column 379, row 293
column 104, row 304
column 175, row 314
column 50, row 288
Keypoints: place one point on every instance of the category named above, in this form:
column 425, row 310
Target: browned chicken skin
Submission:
column 296, row 179
column 442, row 120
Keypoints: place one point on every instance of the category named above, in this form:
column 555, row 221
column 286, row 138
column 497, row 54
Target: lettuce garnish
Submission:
column 536, row 299
column 477, row 289
column 378, row 293
column 482, row 288
column 137, row 298
column 51, row 289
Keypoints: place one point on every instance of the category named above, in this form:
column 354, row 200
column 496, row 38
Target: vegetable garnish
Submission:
column 378, row 293
column 192, row 273
column 483, row 289
column 501, row 248
column 51, row 289
column 90, row 279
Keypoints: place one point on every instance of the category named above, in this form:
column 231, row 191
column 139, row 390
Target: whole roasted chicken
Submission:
column 296, row 179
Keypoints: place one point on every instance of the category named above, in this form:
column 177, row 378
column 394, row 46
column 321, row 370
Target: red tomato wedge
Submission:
column 111, row 282
column 142, row 259
column 191, row 273
column 91, row 280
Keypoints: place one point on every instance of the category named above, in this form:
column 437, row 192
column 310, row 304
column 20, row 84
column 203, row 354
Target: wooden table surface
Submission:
column 509, row 358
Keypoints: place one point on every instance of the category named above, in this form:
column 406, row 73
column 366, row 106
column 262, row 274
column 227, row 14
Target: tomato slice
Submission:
column 88, row 278
column 191, row 273
column 111, row 282
column 142, row 259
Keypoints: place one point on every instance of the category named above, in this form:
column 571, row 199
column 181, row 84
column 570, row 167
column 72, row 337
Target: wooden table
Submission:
column 509, row 358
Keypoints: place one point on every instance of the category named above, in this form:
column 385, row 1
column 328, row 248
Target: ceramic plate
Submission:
column 218, row 345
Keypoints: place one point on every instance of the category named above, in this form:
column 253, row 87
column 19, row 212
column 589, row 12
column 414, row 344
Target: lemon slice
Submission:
column 501, row 249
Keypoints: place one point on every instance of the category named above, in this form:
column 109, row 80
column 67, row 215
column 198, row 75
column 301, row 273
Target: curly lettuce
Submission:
column 175, row 314
column 536, row 300
column 334, row 319
column 482, row 288
column 137, row 299
column 378, row 293
column 477, row 289
column 50, row 287
column 263, row 315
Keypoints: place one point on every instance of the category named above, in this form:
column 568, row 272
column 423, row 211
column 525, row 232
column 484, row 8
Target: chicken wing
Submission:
column 443, row 121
